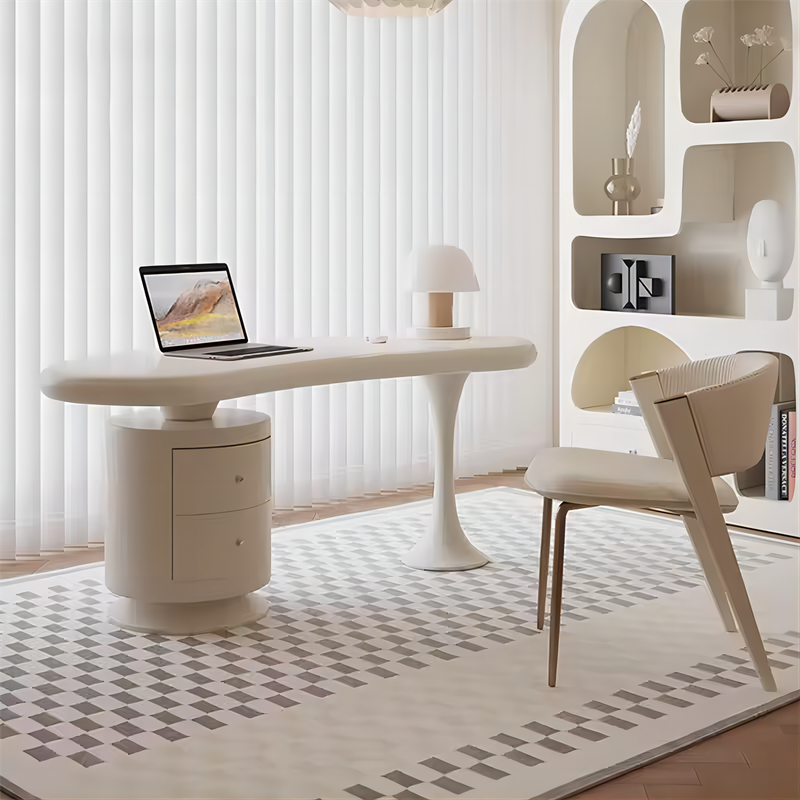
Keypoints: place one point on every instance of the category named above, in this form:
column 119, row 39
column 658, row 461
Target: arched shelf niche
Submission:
column 618, row 61
column 609, row 362
column 730, row 20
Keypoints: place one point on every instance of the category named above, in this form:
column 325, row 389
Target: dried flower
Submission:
column 632, row 134
column 704, row 35
column 702, row 60
column 764, row 36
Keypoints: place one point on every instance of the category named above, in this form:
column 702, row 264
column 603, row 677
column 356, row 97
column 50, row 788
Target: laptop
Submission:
column 196, row 314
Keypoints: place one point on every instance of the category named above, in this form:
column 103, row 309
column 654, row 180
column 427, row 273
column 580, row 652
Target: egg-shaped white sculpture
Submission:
column 768, row 245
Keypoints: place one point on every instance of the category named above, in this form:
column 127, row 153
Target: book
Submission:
column 631, row 411
column 772, row 452
column 783, row 461
column 792, row 452
column 626, row 398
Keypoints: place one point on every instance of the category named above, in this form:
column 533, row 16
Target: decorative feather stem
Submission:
column 632, row 134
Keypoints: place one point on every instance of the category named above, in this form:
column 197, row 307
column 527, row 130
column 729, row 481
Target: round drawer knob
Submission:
column 239, row 542
column 239, row 479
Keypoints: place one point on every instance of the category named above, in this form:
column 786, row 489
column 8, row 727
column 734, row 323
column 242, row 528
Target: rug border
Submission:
column 14, row 791
column 572, row 788
column 600, row 777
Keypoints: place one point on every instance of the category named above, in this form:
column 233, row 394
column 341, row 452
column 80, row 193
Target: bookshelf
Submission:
column 613, row 54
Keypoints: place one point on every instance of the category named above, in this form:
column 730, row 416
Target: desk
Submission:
column 188, row 537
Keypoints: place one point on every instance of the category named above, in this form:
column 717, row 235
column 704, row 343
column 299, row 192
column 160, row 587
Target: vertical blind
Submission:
column 310, row 151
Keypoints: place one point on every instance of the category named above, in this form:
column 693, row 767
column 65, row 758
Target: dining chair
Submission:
column 707, row 419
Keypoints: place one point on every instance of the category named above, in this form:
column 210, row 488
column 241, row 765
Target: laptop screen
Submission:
column 192, row 306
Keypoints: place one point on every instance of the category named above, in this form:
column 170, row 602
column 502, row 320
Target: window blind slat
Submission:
column 207, row 131
column 27, row 282
column 186, row 133
column 123, row 289
column 52, row 272
column 76, row 290
column 8, row 413
column 143, row 144
column 245, row 160
column 164, row 132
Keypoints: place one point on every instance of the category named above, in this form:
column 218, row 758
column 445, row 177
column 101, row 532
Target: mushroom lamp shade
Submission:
column 390, row 8
column 439, row 271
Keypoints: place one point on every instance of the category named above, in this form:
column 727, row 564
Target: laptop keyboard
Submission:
column 254, row 350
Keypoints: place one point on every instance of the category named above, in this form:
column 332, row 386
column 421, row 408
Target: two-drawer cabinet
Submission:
column 220, row 526
column 190, row 518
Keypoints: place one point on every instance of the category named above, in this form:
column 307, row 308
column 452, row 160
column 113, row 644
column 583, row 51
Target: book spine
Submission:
column 771, row 457
column 626, row 401
column 783, row 433
column 631, row 411
column 792, row 452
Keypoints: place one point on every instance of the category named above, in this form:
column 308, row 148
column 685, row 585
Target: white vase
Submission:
column 756, row 102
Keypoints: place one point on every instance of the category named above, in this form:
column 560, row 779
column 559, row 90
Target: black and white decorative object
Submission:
column 637, row 283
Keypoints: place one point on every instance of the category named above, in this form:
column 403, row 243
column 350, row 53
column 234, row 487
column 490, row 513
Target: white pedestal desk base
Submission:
column 444, row 546
column 189, row 534
column 187, row 618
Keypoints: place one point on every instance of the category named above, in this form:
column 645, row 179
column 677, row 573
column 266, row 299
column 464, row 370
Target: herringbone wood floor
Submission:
column 756, row 761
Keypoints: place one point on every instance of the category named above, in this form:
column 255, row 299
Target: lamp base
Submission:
column 440, row 333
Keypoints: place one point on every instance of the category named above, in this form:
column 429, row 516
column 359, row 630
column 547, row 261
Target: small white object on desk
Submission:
column 377, row 339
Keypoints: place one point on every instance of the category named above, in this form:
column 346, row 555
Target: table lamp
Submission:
column 439, row 271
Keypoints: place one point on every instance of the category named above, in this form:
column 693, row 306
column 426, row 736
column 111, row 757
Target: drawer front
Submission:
column 223, row 547
column 211, row 480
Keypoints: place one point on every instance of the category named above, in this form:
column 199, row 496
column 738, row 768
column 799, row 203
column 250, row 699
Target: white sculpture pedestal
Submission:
column 768, row 304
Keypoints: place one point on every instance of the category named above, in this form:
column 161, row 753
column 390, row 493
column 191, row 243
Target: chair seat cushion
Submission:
column 603, row 478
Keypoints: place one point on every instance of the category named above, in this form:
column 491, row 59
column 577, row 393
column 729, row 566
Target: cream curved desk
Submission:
column 189, row 529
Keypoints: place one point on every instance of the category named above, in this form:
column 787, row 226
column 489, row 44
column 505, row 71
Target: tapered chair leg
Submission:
column 558, row 586
column 679, row 427
column 544, row 560
column 711, row 571
column 731, row 578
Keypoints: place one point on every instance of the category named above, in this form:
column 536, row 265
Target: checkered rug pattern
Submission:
column 473, row 768
column 345, row 613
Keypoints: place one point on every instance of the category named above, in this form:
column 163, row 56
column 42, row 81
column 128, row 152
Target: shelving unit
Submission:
column 710, row 175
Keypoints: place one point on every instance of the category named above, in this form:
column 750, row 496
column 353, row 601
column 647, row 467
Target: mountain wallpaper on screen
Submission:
column 205, row 310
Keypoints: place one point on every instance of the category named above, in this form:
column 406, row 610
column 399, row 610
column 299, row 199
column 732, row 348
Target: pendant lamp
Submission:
column 390, row 8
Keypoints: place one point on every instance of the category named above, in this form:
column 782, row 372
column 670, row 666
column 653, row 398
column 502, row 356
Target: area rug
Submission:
column 371, row 680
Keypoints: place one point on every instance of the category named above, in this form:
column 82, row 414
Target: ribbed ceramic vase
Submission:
column 751, row 102
column 622, row 186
